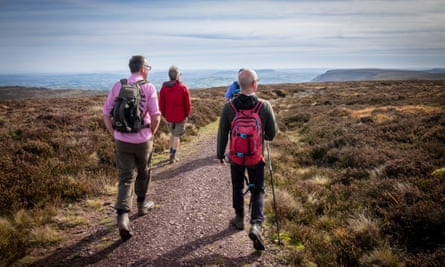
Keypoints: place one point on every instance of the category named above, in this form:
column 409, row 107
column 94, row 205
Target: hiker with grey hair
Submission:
column 246, row 152
column 134, row 142
column 175, row 105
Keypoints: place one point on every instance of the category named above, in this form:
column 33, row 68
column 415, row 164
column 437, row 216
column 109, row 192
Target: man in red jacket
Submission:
column 175, row 106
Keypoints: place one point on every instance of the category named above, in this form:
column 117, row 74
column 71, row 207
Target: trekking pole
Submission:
column 273, row 192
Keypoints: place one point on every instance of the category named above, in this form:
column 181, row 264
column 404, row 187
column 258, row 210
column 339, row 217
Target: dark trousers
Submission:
column 256, row 177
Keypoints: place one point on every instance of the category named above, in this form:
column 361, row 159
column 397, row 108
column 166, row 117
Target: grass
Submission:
column 56, row 154
column 358, row 168
column 365, row 159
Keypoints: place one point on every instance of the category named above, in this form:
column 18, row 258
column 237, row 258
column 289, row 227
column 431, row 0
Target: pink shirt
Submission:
column 150, row 108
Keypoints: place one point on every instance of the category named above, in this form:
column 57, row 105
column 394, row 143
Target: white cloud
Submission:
column 101, row 35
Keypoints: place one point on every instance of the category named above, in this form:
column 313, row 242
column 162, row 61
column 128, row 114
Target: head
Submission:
column 248, row 81
column 139, row 64
column 174, row 73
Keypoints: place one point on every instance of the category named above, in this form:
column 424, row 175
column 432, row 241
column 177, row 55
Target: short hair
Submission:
column 136, row 63
column 246, row 77
column 173, row 73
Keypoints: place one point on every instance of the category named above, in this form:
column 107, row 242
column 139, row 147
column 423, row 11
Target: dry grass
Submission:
column 359, row 169
column 366, row 161
column 57, row 152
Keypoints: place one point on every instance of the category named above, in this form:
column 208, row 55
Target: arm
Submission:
column 155, row 120
column 187, row 102
column 162, row 101
column 153, row 109
column 270, row 123
column 108, row 107
column 108, row 124
column 223, row 131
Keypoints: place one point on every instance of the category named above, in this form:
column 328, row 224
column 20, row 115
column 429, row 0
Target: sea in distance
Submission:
column 194, row 79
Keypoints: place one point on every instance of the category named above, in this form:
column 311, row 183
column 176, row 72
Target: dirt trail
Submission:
column 188, row 227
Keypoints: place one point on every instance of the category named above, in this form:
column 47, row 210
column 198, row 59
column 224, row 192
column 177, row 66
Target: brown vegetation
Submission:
column 359, row 168
column 57, row 151
column 358, row 158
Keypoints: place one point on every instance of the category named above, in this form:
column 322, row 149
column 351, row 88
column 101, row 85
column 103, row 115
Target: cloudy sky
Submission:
column 99, row 35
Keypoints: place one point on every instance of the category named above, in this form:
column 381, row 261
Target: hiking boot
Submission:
column 238, row 222
column 144, row 207
column 255, row 236
column 123, row 224
column 173, row 159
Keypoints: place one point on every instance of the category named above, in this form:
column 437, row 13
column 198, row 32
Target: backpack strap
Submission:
column 256, row 108
column 141, row 82
column 143, row 125
column 233, row 107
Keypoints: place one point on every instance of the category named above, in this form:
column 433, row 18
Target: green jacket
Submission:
column 266, row 114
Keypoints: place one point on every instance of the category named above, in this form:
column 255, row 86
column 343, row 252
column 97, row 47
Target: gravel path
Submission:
column 188, row 226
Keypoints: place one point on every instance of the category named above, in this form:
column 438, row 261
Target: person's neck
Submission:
column 248, row 92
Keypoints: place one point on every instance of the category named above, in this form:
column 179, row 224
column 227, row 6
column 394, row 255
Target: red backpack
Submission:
column 245, row 146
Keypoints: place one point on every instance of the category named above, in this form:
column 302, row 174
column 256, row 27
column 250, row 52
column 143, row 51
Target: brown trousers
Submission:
column 134, row 164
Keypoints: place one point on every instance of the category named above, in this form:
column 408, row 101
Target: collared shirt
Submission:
column 149, row 103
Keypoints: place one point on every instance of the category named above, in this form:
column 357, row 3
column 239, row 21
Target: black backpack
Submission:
column 126, row 115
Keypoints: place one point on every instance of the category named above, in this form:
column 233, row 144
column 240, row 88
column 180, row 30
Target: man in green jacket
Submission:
column 248, row 80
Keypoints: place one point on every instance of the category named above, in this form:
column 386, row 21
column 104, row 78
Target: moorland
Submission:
column 359, row 168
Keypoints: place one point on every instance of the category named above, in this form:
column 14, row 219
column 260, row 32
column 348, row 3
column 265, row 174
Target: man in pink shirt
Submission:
column 134, row 150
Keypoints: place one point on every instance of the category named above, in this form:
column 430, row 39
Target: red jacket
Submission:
column 174, row 101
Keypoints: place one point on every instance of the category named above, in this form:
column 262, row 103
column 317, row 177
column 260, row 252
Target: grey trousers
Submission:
column 134, row 163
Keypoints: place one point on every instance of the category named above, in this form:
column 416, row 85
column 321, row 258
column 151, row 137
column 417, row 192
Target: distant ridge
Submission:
column 21, row 92
column 341, row 75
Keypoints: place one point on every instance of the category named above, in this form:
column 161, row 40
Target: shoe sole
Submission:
column 125, row 234
column 238, row 227
column 258, row 243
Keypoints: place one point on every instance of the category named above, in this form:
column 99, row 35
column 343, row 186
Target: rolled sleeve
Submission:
column 109, row 101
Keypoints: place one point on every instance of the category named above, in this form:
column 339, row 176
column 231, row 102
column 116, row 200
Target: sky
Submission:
column 64, row 36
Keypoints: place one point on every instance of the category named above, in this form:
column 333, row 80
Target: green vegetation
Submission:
column 359, row 169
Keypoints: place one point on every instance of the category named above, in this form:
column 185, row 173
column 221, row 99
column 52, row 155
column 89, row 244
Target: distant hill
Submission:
column 21, row 92
column 339, row 75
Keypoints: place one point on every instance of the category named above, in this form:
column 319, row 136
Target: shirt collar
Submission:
column 252, row 94
column 134, row 77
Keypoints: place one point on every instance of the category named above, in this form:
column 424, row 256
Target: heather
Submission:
column 358, row 166
column 55, row 152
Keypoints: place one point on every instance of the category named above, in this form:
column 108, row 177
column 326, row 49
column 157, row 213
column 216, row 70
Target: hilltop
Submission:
column 339, row 75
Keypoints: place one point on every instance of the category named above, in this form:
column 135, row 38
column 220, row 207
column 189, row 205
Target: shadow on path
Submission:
column 67, row 255
column 180, row 168
column 176, row 257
